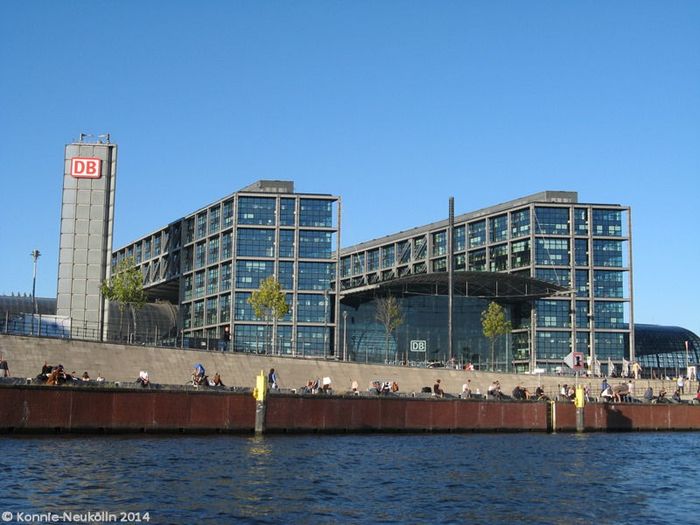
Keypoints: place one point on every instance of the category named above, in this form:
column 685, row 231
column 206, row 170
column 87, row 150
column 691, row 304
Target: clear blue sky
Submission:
column 395, row 106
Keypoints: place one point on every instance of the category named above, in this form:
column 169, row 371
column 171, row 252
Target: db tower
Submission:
column 87, row 219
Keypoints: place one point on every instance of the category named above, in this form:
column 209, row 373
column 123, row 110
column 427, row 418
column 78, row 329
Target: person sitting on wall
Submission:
column 326, row 386
column 85, row 377
column 217, row 380
column 607, row 395
column 99, row 378
column 620, row 393
column 4, row 367
column 661, row 398
column 437, row 389
column 494, row 390
column 649, row 394
column 394, row 387
column 143, row 379
column 52, row 378
column 540, row 395
column 198, row 376
column 518, row 393
column 354, row 386
column 45, row 372
column 676, row 397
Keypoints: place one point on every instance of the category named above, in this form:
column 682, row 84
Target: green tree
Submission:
column 494, row 324
column 125, row 287
column 269, row 303
column 389, row 314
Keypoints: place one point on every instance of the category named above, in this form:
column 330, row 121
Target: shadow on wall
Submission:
column 615, row 420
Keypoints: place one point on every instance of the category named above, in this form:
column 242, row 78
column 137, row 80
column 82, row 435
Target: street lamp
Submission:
column 35, row 255
column 345, row 335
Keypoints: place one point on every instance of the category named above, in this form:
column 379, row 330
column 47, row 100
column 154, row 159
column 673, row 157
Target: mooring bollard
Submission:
column 260, row 395
column 580, row 404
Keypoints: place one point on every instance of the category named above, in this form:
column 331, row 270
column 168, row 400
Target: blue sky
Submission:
column 393, row 105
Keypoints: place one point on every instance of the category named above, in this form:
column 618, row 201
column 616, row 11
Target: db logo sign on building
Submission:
column 85, row 168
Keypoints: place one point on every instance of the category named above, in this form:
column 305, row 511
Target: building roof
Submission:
column 486, row 285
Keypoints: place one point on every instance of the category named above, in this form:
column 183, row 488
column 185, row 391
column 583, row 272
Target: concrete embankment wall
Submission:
column 26, row 355
column 30, row 408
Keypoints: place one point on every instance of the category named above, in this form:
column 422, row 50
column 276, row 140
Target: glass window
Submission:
column 611, row 345
column 610, row 315
column 225, row 276
column 608, row 284
column 200, row 253
column 440, row 265
column 580, row 221
column 460, row 262
column 607, row 253
column 553, row 314
column 187, row 315
column 213, row 255
column 404, row 251
column 358, row 263
column 498, row 258
column 477, row 260
column 189, row 233
column 552, row 252
column 198, row 319
column 581, row 248
column 287, row 212
column 256, row 210
column 315, row 276
column 499, row 228
column 388, row 256
column 249, row 274
column 286, row 275
column 419, row 247
column 439, row 243
column 201, row 225
column 251, row 338
column 520, row 254
column 310, row 340
column 552, row 221
column 199, row 284
column 156, row 244
column 459, row 238
column 582, row 314
column 520, row 223
column 253, row 242
column 226, row 243
column 607, row 222
column 582, row 283
column 212, row 280
column 228, row 213
column 212, row 304
column 286, row 243
column 316, row 213
column 313, row 308
column 187, row 288
column 345, row 267
column 373, row 260
column 315, row 245
column 560, row 277
column 225, row 309
column 214, row 219
column 244, row 311
column 187, row 259
column 477, row 234
column 553, row 345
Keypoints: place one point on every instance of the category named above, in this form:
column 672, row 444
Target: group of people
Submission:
column 200, row 377
column 317, row 386
column 57, row 375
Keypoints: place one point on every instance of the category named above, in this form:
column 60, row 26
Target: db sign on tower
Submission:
column 85, row 168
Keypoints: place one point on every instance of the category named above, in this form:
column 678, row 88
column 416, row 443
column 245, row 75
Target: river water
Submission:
column 375, row 479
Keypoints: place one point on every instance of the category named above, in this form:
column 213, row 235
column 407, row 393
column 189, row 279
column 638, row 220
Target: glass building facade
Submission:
column 549, row 236
column 211, row 261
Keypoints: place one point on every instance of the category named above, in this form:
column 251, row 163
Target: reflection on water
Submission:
column 382, row 478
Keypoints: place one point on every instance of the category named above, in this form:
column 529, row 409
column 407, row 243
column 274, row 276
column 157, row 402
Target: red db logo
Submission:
column 82, row 168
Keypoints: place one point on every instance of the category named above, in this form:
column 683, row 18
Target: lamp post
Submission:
column 35, row 255
column 345, row 335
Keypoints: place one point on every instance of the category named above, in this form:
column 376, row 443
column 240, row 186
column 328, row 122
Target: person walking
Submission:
column 3, row 367
column 273, row 380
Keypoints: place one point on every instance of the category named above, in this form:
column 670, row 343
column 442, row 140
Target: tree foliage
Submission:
column 125, row 286
column 390, row 316
column 494, row 324
column 269, row 303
